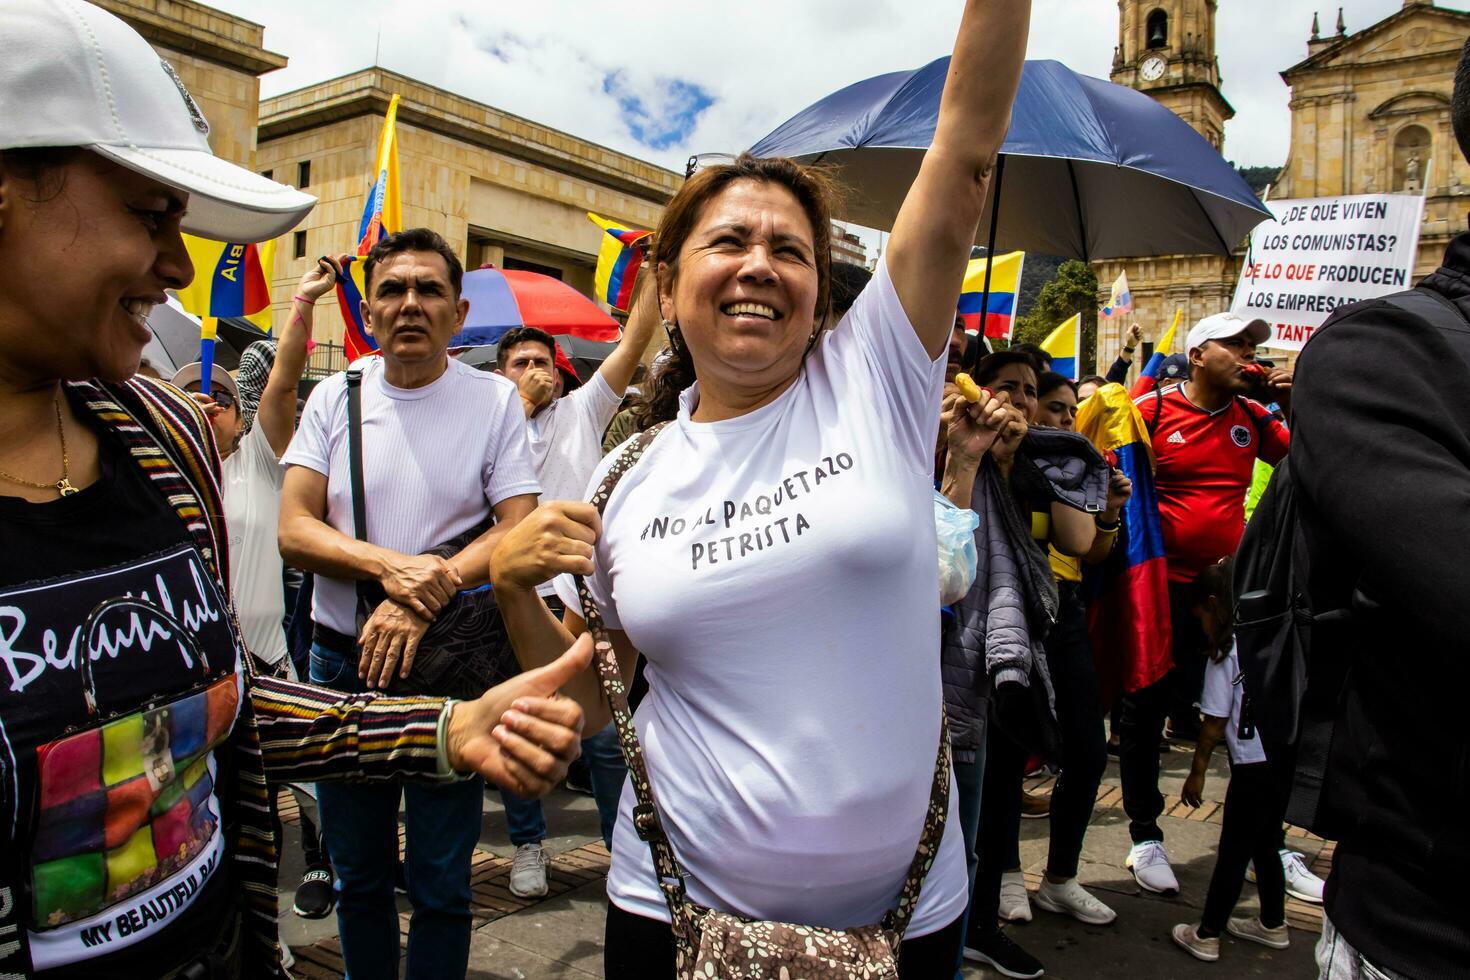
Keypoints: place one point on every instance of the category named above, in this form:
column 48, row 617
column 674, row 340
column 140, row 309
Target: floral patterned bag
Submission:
column 715, row 944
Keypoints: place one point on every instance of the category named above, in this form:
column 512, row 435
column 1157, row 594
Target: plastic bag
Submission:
column 955, row 529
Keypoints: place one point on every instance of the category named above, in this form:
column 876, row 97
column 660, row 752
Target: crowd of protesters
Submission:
column 213, row 589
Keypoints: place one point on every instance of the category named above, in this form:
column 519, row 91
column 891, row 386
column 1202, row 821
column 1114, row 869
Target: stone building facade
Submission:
column 501, row 189
column 1369, row 114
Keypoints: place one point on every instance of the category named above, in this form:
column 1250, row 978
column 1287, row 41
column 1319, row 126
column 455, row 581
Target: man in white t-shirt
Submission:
column 566, row 421
column 444, row 447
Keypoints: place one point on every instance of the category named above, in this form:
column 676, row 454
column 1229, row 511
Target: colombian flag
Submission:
column 1005, row 284
column 350, row 290
column 1120, row 298
column 618, row 261
column 1128, row 594
column 1064, row 344
column 230, row 280
column 382, row 214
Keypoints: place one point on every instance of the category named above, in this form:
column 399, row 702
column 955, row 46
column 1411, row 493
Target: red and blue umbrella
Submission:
column 502, row 299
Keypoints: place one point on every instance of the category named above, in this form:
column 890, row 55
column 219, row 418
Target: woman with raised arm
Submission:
column 772, row 554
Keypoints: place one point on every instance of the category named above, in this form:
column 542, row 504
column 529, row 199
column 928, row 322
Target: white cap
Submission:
column 1224, row 325
column 72, row 74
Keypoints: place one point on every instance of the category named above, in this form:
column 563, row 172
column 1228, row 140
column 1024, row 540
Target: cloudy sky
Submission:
column 662, row 80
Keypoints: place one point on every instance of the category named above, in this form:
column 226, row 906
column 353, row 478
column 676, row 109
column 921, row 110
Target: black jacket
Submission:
column 1380, row 449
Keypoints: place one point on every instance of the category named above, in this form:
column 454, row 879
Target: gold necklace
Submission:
column 62, row 486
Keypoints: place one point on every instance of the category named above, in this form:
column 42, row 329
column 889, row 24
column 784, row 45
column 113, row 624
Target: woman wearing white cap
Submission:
column 135, row 744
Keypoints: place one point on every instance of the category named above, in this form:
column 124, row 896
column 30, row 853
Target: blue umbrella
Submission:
column 1096, row 170
column 1088, row 170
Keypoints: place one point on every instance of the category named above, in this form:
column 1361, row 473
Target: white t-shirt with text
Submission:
column 252, row 490
column 777, row 570
column 436, row 459
column 1224, row 697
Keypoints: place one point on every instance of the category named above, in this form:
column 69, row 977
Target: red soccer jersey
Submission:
column 1204, row 470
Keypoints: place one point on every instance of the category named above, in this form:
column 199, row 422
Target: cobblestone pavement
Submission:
column 561, row 935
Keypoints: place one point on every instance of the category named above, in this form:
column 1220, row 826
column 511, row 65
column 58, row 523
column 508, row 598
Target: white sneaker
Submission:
column 528, row 871
column 1194, row 944
column 1150, row 866
column 1015, row 904
column 1256, row 931
column 1300, row 882
column 1070, row 898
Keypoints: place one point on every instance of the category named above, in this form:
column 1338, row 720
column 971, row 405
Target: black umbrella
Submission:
column 586, row 355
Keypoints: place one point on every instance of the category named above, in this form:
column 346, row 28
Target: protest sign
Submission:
column 1323, row 252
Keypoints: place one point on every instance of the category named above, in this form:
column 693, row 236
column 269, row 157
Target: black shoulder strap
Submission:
column 354, row 452
column 1153, row 423
column 354, row 465
column 1260, row 419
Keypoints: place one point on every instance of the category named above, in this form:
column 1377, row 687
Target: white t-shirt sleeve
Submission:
column 598, row 582
column 876, row 340
column 1219, row 689
column 311, row 445
column 596, row 404
column 509, row 471
column 262, row 458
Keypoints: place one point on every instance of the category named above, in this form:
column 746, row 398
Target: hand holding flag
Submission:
column 618, row 261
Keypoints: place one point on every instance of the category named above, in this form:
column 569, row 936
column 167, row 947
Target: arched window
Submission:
column 1410, row 157
column 1158, row 30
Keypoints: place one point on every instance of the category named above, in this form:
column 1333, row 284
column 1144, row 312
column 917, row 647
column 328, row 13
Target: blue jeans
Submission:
column 968, row 778
column 442, row 823
column 605, row 762
column 525, row 820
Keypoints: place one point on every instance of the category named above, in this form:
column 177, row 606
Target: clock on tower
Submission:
column 1166, row 49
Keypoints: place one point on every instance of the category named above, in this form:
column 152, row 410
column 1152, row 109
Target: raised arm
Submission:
column 276, row 414
column 936, row 226
column 618, row 369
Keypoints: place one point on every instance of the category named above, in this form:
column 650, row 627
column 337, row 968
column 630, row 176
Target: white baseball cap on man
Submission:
column 1222, row 326
column 72, row 74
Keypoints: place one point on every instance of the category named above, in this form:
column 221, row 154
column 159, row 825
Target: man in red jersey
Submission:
column 1206, row 436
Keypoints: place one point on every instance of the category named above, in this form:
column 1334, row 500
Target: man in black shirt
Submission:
column 1381, row 454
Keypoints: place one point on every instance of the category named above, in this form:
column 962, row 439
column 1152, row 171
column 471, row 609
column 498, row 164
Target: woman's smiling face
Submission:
column 86, row 253
column 745, row 292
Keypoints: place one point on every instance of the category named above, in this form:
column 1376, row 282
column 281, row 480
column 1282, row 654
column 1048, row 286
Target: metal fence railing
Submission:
column 326, row 359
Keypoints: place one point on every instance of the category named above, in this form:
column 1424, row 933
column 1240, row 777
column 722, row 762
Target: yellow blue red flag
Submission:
column 382, row 214
column 618, row 261
column 1148, row 378
column 230, row 280
column 1064, row 344
column 1128, row 594
column 1000, row 306
column 1120, row 299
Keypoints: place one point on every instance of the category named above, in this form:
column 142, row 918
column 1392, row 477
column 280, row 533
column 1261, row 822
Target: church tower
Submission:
column 1166, row 49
